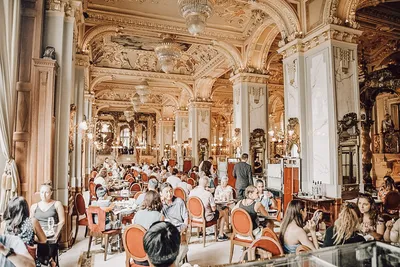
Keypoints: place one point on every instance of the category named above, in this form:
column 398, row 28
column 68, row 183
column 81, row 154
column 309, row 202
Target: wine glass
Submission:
column 50, row 223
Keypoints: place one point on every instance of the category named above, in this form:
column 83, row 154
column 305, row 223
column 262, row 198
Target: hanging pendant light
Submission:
column 196, row 13
column 168, row 53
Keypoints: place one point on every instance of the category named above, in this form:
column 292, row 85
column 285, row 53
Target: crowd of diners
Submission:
column 166, row 217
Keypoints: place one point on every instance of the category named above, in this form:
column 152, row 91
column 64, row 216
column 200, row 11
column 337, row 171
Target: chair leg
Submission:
column 76, row 230
column 90, row 243
column 121, row 245
column 231, row 252
column 204, row 236
column 86, row 230
column 216, row 232
column 106, row 247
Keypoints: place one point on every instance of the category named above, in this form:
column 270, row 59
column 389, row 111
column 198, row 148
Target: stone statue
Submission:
column 387, row 125
column 49, row 53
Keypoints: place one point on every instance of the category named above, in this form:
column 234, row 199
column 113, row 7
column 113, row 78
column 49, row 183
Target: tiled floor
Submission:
column 213, row 254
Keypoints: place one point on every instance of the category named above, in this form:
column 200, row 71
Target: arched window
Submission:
column 125, row 137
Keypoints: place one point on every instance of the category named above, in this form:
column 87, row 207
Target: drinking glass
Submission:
column 50, row 223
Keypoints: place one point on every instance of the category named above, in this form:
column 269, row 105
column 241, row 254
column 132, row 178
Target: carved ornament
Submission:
column 54, row 5
column 249, row 77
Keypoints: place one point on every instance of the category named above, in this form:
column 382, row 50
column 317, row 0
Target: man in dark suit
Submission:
column 243, row 175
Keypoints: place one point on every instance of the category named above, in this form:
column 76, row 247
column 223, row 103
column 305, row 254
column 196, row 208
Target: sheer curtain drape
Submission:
column 9, row 31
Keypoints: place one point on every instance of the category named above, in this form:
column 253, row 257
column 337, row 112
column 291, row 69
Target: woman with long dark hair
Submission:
column 17, row 222
column 294, row 226
column 369, row 216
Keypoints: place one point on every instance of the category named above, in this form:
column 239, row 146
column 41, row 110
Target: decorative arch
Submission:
column 99, row 108
column 283, row 15
column 216, row 88
column 270, row 58
column 231, row 53
column 173, row 99
column 185, row 87
column 99, row 80
column 158, row 113
column 98, row 31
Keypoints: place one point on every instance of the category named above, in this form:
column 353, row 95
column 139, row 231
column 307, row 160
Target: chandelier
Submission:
column 135, row 102
column 143, row 91
column 196, row 13
column 129, row 115
column 168, row 53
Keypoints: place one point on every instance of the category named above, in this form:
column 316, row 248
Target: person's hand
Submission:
column 389, row 224
column 269, row 194
column 365, row 228
column 310, row 226
column 2, row 248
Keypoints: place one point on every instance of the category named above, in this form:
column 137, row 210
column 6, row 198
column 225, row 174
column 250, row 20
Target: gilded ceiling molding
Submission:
column 100, row 107
column 98, row 31
column 203, row 87
column 232, row 54
column 210, row 67
column 160, row 76
column 185, row 87
column 254, row 42
column 172, row 98
column 82, row 60
column 329, row 32
column 266, row 47
column 346, row 9
column 221, row 86
column 270, row 58
column 99, row 80
column 249, row 77
column 283, row 15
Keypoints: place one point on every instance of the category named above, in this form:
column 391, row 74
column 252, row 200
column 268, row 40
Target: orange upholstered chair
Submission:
column 135, row 187
column 80, row 210
column 269, row 233
column 234, row 195
column 302, row 248
column 137, row 194
column 130, row 180
column 144, row 177
column 92, row 191
column 243, row 226
column 279, row 208
column 269, row 244
column 179, row 192
column 135, row 173
column 99, row 229
column 197, row 217
column 133, row 244
column 192, row 182
column 193, row 176
column 128, row 176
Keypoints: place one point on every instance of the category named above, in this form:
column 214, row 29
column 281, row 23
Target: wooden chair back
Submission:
column 128, row 176
column 279, row 209
column 135, row 173
column 269, row 244
column 92, row 190
column 131, row 180
column 100, row 226
column 234, row 195
column 269, row 233
column 110, row 174
column 192, row 182
column 133, row 243
column 196, row 208
column 135, row 187
column 193, row 176
column 144, row 177
column 137, row 194
column 80, row 207
column 302, row 249
column 179, row 192
column 241, row 223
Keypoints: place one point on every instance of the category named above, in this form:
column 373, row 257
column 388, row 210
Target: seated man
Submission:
column 161, row 244
column 211, row 212
column 224, row 191
column 173, row 179
column 265, row 197
column 13, row 252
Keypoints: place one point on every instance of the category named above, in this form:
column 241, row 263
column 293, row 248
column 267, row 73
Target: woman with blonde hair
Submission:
column 344, row 230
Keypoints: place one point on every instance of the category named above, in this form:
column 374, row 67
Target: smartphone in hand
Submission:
column 316, row 216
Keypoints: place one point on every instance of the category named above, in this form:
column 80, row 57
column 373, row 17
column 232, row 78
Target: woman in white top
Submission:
column 224, row 191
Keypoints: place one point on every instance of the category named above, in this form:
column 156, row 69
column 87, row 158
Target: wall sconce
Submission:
column 271, row 132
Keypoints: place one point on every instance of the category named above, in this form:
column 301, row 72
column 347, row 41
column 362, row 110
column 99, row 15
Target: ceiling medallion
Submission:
column 143, row 91
column 168, row 53
column 196, row 13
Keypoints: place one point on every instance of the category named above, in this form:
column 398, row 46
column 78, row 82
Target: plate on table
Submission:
column 49, row 233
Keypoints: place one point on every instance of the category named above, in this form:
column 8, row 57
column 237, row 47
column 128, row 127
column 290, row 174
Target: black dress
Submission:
column 329, row 239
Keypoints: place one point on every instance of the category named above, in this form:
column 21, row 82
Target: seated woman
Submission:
column 224, row 191
column 392, row 233
column 345, row 227
column 369, row 217
column 267, row 199
column 174, row 209
column 293, row 231
column 48, row 207
column 184, row 185
column 150, row 211
column 17, row 222
column 250, row 204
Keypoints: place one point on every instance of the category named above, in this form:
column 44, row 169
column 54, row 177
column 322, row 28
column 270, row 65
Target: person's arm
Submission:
column 250, row 176
column 60, row 212
column 394, row 233
column 273, row 203
column 37, row 228
column 258, row 207
column 185, row 214
column 212, row 203
column 32, row 211
column 310, row 226
column 19, row 259
column 386, row 235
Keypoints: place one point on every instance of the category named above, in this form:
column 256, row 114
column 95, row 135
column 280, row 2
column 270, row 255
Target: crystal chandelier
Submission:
column 168, row 53
column 135, row 102
column 196, row 13
column 143, row 91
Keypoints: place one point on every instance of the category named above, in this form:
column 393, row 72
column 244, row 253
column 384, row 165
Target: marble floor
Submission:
column 215, row 253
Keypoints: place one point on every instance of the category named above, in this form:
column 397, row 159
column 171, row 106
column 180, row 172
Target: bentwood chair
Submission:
column 135, row 187
column 242, row 230
column 135, row 173
column 179, row 192
column 269, row 233
column 133, row 244
column 234, row 195
column 197, row 218
column 98, row 229
column 80, row 210
column 269, row 244
column 128, row 176
column 301, row 249
column 192, row 182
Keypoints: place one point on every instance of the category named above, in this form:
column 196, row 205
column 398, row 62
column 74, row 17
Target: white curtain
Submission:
column 9, row 33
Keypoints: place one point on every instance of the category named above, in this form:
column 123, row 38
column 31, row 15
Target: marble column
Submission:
column 199, row 126
column 166, row 128
column 250, row 105
column 92, row 129
column 321, row 86
column 182, row 133
column 58, row 33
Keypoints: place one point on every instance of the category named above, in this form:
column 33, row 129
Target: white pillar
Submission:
column 181, row 131
column 166, row 128
column 200, row 126
column 250, row 105
column 321, row 86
